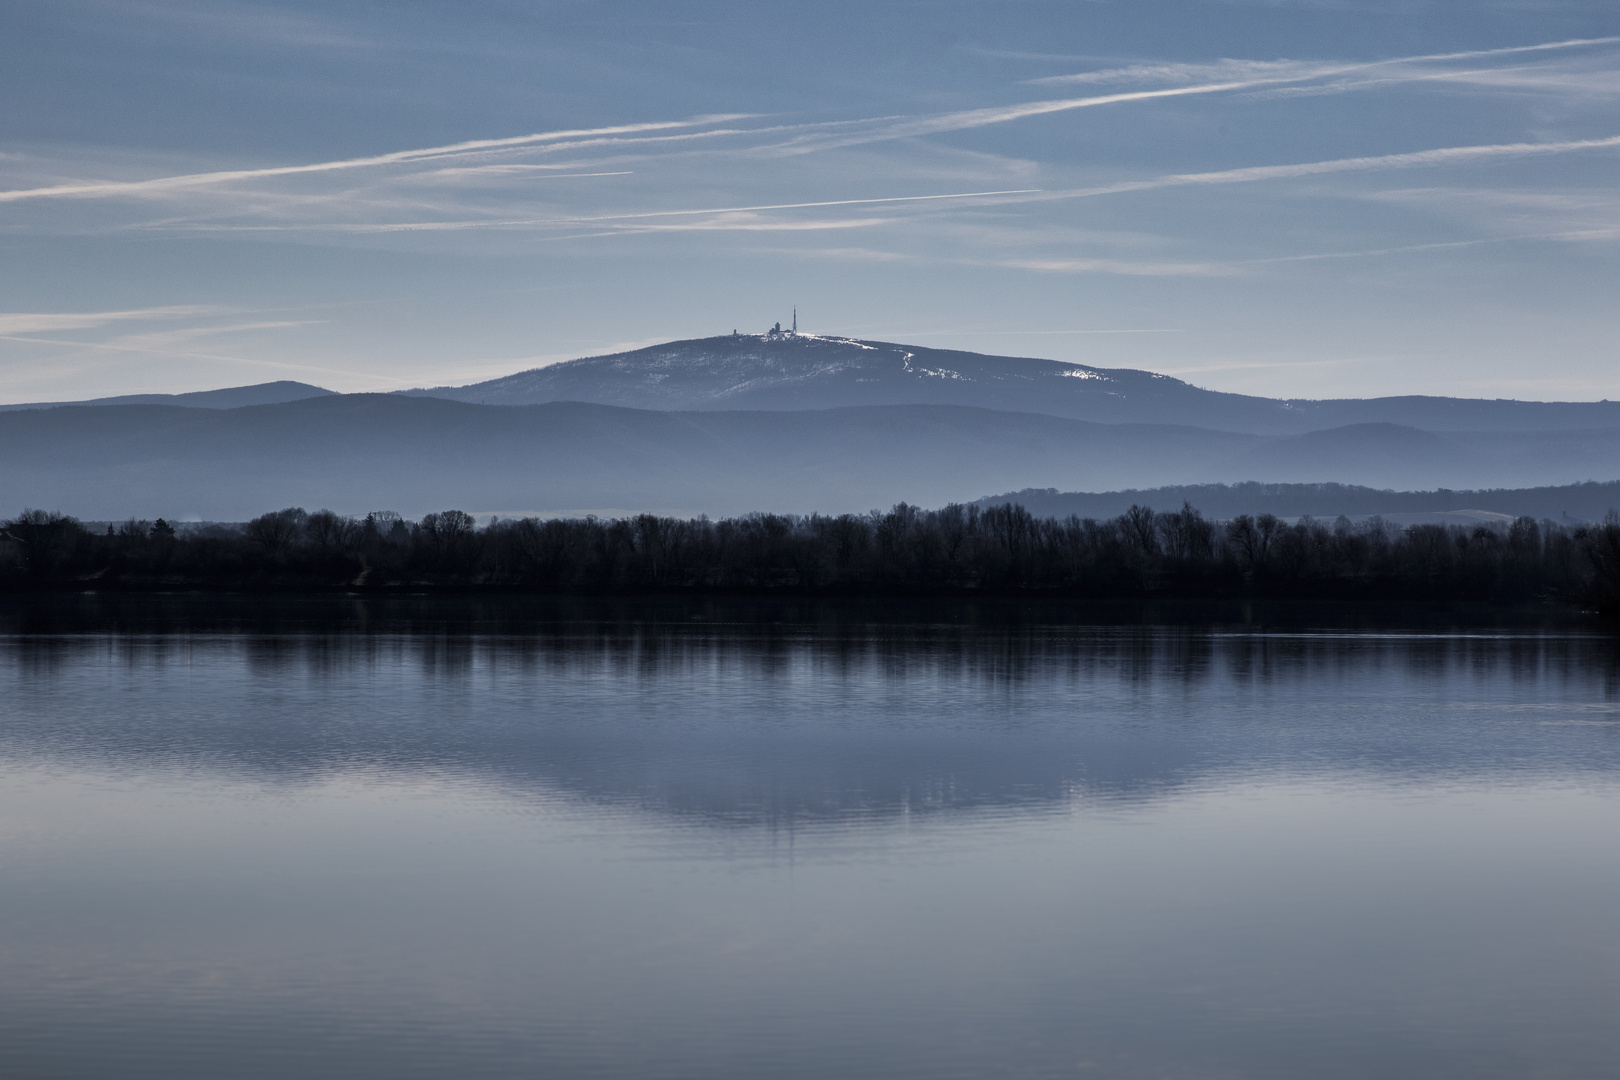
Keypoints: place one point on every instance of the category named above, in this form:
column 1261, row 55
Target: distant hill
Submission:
column 796, row 372
column 360, row 452
column 1568, row 503
column 231, row 397
column 805, row 371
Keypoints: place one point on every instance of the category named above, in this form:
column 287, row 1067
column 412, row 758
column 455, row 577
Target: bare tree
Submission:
column 329, row 531
column 278, row 530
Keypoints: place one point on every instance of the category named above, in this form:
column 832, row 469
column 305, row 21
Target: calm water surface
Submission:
column 326, row 839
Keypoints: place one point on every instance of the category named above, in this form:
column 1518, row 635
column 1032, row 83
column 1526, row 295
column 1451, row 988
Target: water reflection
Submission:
column 816, row 713
column 322, row 838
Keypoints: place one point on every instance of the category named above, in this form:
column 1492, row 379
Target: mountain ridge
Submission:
column 360, row 452
column 788, row 371
column 229, row 397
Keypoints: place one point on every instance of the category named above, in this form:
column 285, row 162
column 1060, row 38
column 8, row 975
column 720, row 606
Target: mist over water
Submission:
column 459, row 837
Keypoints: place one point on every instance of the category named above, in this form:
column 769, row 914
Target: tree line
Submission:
column 905, row 550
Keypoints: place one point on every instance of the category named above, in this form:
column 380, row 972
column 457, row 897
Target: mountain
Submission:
column 794, row 372
column 231, row 397
column 359, row 452
column 1379, row 451
column 805, row 371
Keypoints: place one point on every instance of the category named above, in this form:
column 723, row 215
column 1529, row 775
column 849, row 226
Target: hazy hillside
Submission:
column 363, row 452
column 355, row 453
column 1567, row 503
column 802, row 371
column 231, row 397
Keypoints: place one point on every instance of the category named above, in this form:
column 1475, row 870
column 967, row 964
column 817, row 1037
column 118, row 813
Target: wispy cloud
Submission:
column 1293, row 70
column 250, row 22
column 1538, row 78
column 193, row 180
column 1229, row 70
column 1252, row 174
column 1227, row 76
column 756, row 223
column 46, row 322
column 115, row 347
column 1270, row 79
column 30, row 328
column 1117, row 267
column 169, row 339
column 574, row 221
column 1126, row 267
column 645, row 221
column 1544, row 211
column 914, row 127
column 511, row 171
column 1565, row 236
column 1442, row 156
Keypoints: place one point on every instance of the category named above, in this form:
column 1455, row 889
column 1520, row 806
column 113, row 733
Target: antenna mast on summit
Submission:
column 795, row 318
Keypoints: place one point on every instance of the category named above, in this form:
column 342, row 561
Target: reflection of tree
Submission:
column 771, row 715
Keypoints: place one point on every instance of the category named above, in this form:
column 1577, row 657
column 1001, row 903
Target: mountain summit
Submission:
column 786, row 370
column 783, row 370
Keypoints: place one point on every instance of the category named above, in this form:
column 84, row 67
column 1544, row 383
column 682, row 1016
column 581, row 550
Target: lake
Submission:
column 502, row 838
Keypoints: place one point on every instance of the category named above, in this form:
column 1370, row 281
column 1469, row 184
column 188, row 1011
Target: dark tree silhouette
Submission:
column 279, row 529
column 905, row 550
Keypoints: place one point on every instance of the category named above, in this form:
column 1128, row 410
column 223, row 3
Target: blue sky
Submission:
column 1310, row 199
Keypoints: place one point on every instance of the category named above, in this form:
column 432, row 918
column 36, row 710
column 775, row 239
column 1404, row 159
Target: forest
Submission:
column 999, row 550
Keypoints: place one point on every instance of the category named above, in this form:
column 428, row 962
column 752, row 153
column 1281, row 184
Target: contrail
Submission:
column 1439, row 156
column 1251, row 174
column 1000, row 114
column 121, row 187
column 431, row 226
column 973, row 118
column 1328, row 68
column 904, row 128
column 803, row 205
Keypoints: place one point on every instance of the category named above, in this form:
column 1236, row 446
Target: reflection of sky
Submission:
column 1291, row 198
column 824, row 847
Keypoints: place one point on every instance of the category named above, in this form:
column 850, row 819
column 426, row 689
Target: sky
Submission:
column 1322, row 198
